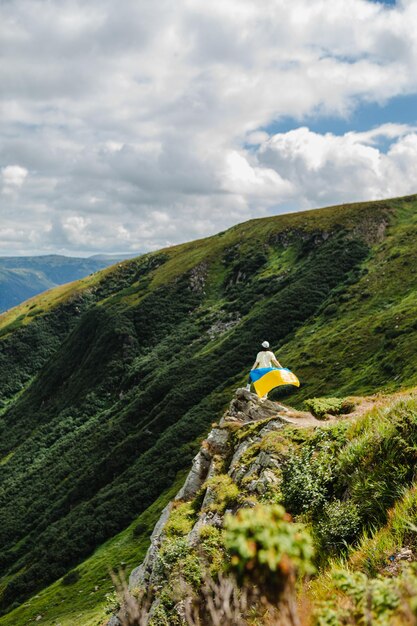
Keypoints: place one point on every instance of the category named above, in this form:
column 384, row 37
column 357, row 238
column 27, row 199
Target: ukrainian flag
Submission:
column 266, row 378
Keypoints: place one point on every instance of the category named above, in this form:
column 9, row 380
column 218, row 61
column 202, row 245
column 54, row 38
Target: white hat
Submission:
column 265, row 344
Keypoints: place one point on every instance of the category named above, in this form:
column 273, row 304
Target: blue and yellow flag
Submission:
column 266, row 378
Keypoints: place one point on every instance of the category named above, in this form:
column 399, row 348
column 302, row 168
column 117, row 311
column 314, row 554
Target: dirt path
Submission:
column 304, row 419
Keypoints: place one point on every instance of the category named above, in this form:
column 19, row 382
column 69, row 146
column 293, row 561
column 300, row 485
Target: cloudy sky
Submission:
column 128, row 126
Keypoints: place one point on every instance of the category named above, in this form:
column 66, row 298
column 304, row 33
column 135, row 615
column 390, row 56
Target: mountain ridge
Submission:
column 95, row 376
column 22, row 277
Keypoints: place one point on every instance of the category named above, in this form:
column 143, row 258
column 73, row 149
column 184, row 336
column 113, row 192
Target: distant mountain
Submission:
column 24, row 277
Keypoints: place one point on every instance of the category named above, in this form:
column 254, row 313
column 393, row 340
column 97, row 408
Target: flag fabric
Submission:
column 266, row 378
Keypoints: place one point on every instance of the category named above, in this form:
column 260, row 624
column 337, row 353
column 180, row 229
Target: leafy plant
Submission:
column 267, row 547
column 306, row 478
column 338, row 523
column 380, row 601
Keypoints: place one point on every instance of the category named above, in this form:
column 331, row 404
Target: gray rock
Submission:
column 221, row 326
column 246, row 408
column 206, row 519
column 239, row 452
column 250, row 408
column 198, row 277
column 196, row 477
column 114, row 621
column 271, row 426
column 209, row 498
column 182, row 607
column 270, row 479
column 217, row 441
column 141, row 574
column 263, row 482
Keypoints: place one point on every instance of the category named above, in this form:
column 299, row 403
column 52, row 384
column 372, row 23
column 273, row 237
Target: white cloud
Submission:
column 253, row 182
column 14, row 175
column 143, row 123
column 326, row 169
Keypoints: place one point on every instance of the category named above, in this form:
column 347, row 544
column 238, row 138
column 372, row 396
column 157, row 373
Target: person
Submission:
column 264, row 358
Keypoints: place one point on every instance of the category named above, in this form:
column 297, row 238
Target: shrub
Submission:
column 71, row 578
column 305, row 481
column 172, row 550
column 212, row 548
column 267, row 548
column 340, row 523
column 177, row 561
column 320, row 407
column 379, row 601
column 191, row 570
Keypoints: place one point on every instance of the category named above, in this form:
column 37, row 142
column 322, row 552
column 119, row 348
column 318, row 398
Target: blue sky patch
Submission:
column 398, row 110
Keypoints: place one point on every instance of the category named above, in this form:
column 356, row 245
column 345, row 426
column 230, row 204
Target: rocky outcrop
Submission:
column 254, row 419
column 198, row 278
column 139, row 576
column 247, row 422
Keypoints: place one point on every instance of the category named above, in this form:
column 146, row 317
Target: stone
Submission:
column 198, row 277
column 249, row 407
column 206, row 519
column 261, row 472
column 217, row 441
column 196, row 477
column 141, row 574
column 271, row 426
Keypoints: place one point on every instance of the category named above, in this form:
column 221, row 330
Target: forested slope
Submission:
column 108, row 384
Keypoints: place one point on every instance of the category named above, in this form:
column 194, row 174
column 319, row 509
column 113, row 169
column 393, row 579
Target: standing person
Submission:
column 267, row 373
column 266, row 358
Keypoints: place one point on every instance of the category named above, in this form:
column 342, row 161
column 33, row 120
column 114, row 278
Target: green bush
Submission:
column 320, row 407
column 264, row 541
column 178, row 561
column 172, row 551
column 213, row 549
column 71, row 578
column 356, row 599
column 306, row 477
column 340, row 523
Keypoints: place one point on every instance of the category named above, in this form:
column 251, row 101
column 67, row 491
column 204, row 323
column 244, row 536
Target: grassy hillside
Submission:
column 84, row 596
column 108, row 383
column 24, row 277
column 349, row 487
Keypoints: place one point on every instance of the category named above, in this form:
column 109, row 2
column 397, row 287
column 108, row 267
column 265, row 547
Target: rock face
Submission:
column 254, row 420
column 140, row 575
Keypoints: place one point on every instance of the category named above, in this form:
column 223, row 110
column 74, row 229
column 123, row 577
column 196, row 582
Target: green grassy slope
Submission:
column 86, row 600
column 107, row 383
column 349, row 482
